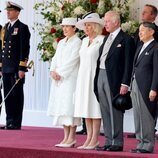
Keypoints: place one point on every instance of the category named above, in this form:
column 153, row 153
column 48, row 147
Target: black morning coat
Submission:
column 146, row 74
column 118, row 63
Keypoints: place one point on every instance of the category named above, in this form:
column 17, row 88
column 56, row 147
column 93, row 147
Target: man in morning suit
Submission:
column 13, row 59
column 145, row 89
column 149, row 14
column 113, row 76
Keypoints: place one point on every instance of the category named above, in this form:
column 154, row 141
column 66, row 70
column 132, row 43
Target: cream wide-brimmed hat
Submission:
column 69, row 21
column 90, row 17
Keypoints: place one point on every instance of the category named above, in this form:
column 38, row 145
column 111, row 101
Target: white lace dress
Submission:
column 65, row 63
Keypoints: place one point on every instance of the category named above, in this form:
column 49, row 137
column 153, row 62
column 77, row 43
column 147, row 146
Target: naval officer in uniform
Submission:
column 13, row 61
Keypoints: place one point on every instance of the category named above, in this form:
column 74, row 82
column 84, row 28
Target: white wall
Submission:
column 36, row 88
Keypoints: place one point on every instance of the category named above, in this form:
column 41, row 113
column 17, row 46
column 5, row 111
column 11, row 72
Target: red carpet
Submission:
column 35, row 142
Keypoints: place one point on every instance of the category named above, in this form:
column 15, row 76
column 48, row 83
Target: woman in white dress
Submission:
column 63, row 71
column 86, row 104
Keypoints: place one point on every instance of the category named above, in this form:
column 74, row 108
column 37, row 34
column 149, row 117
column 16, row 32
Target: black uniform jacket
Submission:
column 16, row 48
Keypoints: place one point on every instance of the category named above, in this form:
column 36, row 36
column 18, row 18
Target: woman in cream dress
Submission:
column 86, row 104
column 63, row 71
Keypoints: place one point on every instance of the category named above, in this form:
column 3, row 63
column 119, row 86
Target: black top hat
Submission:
column 122, row 102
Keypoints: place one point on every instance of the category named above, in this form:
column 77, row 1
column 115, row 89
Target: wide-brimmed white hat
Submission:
column 90, row 17
column 69, row 21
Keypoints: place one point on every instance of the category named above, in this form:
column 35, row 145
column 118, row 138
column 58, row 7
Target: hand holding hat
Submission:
column 122, row 102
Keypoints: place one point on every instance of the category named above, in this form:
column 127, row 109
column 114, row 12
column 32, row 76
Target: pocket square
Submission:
column 119, row 45
column 146, row 53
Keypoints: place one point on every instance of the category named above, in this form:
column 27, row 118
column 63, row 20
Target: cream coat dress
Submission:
column 61, row 99
column 86, row 104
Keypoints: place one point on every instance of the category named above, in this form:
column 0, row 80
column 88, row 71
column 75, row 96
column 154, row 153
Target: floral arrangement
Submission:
column 130, row 27
column 54, row 11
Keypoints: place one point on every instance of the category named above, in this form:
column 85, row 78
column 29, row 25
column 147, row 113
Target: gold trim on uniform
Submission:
column 2, row 36
column 23, row 63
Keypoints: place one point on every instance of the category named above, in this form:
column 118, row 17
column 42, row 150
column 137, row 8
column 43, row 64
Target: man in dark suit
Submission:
column 149, row 14
column 13, row 59
column 145, row 89
column 113, row 75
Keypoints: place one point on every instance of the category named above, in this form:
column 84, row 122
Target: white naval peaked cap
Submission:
column 12, row 5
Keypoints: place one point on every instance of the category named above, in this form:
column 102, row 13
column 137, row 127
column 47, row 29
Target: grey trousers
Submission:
column 112, row 118
column 144, row 122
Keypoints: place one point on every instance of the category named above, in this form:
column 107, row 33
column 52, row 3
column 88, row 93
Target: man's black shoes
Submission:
column 10, row 127
column 115, row 148
column 143, row 151
column 103, row 148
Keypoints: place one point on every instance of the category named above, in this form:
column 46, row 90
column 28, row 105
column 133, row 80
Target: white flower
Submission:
column 59, row 16
column 55, row 43
column 125, row 26
column 47, row 27
column 113, row 2
column 130, row 27
column 101, row 4
column 101, row 7
column 79, row 10
column 47, row 53
column 123, row 10
column 117, row 9
column 130, row 2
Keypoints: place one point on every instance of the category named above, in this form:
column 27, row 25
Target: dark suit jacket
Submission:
column 119, row 62
column 146, row 73
column 15, row 48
